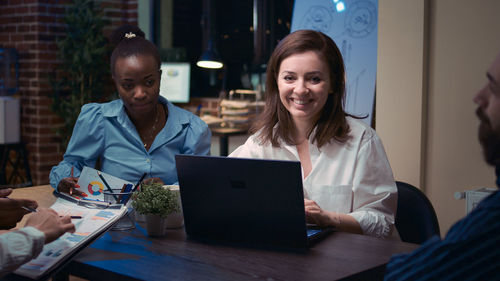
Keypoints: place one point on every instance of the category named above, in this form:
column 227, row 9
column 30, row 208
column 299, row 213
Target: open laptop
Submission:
column 250, row 202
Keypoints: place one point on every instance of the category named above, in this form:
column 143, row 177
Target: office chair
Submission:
column 416, row 220
column 14, row 166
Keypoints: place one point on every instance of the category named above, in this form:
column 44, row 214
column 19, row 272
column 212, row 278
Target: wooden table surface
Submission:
column 132, row 255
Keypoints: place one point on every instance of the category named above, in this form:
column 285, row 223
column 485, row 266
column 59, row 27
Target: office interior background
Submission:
column 432, row 58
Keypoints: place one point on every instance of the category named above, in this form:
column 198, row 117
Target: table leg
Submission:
column 223, row 145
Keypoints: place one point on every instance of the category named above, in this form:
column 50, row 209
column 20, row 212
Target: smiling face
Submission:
column 304, row 83
column 488, row 111
column 137, row 79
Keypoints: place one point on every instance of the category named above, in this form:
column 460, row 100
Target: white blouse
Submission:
column 353, row 178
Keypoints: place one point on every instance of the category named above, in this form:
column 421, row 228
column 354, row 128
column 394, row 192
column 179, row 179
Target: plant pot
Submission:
column 174, row 220
column 155, row 225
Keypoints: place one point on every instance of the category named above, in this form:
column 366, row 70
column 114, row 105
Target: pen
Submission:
column 73, row 217
column 25, row 208
column 29, row 209
column 107, row 185
column 128, row 192
column 139, row 182
column 121, row 192
column 135, row 188
column 90, row 199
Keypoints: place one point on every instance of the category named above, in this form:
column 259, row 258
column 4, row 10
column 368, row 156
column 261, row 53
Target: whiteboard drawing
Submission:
column 354, row 30
column 361, row 19
column 317, row 18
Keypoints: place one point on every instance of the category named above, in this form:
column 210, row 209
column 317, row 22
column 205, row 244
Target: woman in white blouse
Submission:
column 348, row 182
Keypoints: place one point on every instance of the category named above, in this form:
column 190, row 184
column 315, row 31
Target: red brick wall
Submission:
column 32, row 26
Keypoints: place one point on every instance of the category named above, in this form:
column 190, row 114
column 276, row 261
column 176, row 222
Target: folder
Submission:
column 96, row 218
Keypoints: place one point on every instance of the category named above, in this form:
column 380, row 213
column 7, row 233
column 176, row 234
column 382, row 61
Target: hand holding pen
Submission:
column 69, row 185
column 50, row 223
column 13, row 210
column 46, row 220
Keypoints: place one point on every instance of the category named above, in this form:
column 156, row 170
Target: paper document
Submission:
column 91, row 184
column 94, row 221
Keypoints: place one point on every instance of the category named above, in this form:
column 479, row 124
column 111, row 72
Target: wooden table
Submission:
column 132, row 255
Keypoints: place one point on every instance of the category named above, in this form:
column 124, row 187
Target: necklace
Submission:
column 153, row 129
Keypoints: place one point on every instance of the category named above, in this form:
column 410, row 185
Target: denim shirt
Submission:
column 104, row 131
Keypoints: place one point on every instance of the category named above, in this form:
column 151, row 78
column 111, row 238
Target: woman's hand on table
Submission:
column 68, row 185
column 153, row 180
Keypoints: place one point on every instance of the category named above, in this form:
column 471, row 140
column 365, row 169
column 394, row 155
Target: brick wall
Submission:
column 31, row 27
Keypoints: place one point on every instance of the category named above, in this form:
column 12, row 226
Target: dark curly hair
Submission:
column 129, row 41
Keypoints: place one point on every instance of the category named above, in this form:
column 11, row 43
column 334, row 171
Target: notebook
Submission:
column 252, row 202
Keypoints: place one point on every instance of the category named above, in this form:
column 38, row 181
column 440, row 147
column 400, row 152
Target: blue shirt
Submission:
column 105, row 131
column 470, row 250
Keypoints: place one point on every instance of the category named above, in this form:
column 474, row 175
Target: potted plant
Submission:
column 156, row 203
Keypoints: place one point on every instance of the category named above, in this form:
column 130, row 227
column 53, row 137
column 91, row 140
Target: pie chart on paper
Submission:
column 95, row 188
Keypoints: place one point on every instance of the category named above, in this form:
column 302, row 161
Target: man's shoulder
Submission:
column 492, row 202
column 482, row 221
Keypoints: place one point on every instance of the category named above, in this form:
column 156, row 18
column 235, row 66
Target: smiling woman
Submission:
column 138, row 133
column 347, row 180
column 304, row 84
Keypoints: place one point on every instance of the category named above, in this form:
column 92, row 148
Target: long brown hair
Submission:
column 332, row 124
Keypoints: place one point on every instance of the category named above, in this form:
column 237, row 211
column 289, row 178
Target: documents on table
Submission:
column 93, row 222
column 93, row 186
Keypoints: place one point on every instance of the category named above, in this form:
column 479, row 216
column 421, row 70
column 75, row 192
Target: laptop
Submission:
column 251, row 202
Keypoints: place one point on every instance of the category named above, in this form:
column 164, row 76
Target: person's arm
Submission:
column 84, row 147
column 50, row 223
column 374, row 189
column 19, row 246
column 468, row 252
column 343, row 222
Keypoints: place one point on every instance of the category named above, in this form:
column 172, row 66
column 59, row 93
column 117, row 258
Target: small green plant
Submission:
column 154, row 199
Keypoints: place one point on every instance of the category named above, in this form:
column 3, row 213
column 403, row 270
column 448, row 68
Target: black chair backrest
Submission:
column 416, row 220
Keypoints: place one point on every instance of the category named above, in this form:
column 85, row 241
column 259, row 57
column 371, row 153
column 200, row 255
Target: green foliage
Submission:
column 154, row 199
column 84, row 74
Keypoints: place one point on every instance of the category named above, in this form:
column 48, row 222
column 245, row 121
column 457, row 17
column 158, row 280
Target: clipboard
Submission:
column 97, row 218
